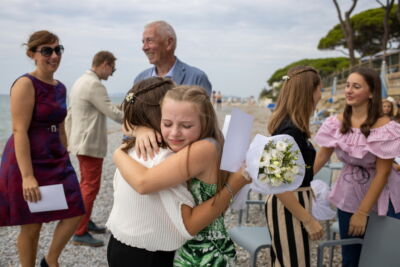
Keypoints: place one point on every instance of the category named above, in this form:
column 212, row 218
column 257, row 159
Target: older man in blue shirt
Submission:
column 159, row 43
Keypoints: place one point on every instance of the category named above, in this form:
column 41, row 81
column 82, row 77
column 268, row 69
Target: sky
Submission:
column 238, row 43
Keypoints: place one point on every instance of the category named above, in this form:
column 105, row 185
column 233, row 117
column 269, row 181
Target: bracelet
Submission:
column 362, row 213
column 229, row 188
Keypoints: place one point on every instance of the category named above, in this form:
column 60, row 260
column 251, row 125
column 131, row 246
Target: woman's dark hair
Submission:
column 397, row 116
column 371, row 77
column 141, row 105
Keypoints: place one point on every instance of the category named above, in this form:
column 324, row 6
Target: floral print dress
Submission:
column 211, row 246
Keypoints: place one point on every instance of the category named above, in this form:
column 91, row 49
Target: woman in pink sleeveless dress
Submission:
column 35, row 155
column 366, row 142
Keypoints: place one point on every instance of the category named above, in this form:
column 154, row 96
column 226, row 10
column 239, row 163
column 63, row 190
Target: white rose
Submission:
column 295, row 169
column 274, row 153
column 275, row 182
column 266, row 154
column 266, row 158
column 270, row 169
column 274, row 169
column 281, row 146
column 289, row 177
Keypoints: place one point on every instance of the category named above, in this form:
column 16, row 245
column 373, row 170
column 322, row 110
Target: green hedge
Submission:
column 325, row 66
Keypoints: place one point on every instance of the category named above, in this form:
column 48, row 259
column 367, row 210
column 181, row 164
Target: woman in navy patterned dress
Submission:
column 35, row 155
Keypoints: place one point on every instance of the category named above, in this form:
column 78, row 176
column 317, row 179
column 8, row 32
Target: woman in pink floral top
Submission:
column 366, row 142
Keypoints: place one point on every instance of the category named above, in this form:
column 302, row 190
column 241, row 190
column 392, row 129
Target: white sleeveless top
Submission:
column 153, row 221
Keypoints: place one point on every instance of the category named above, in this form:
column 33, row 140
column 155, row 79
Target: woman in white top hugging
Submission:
column 151, row 220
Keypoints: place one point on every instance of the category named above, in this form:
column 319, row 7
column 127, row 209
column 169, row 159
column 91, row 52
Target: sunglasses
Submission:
column 47, row 51
column 113, row 69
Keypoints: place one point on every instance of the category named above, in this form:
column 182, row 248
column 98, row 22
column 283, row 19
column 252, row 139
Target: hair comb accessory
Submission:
column 154, row 86
column 130, row 98
column 285, row 78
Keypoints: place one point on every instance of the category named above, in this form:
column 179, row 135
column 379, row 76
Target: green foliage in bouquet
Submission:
column 278, row 163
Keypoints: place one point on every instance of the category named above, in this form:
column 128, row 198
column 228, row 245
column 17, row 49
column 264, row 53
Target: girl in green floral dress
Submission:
column 189, row 127
column 212, row 245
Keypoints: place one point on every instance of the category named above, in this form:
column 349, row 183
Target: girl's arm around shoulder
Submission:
column 191, row 161
column 197, row 218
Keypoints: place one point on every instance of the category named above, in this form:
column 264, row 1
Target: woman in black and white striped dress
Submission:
column 289, row 218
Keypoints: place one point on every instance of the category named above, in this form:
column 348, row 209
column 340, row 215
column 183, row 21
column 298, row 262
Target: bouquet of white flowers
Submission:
column 278, row 163
column 275, row 164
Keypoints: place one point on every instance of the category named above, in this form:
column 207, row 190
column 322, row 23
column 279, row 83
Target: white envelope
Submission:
column 53, row 198
column 226, row 125
column 237, row 139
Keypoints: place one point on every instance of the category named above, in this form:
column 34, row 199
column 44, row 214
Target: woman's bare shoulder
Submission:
column 22, row 85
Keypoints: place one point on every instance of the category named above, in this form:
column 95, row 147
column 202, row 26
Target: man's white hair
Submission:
column 165, row 30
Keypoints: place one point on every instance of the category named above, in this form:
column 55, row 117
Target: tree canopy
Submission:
column 325, row 66
column 368, row 32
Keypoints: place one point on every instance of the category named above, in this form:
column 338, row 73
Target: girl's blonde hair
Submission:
column 208, row 119
column 295, row 100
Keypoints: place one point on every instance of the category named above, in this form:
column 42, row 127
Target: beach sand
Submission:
column 87, row 256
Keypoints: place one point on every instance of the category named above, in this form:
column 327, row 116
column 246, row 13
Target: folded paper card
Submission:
column 52, row 198
column 226, row 125
column 237, row 140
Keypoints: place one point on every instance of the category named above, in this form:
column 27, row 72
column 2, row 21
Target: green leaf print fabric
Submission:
column 212, row 246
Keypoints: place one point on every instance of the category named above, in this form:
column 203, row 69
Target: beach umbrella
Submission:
column 384, row 81
column 334, row 84
column 333, row 90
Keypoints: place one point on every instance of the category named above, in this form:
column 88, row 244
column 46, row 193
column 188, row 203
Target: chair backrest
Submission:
column 248, row 202
column 381, row 246
column 324, row 174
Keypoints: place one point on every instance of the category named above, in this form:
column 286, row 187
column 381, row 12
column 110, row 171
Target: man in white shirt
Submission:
column 86, row 124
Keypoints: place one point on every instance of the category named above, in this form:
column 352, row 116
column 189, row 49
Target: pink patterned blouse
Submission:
column 359, row 154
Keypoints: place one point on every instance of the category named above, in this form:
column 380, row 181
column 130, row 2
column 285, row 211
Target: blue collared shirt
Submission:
column 168, row 75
